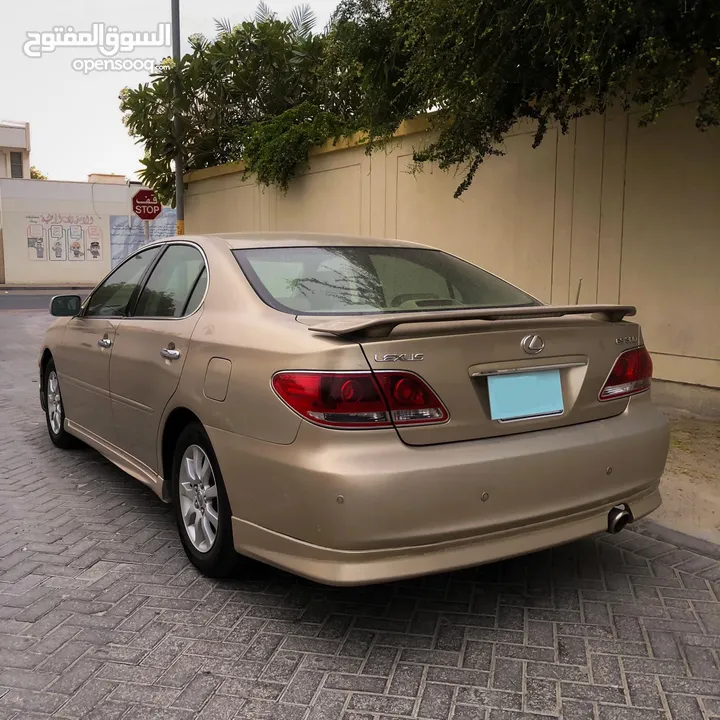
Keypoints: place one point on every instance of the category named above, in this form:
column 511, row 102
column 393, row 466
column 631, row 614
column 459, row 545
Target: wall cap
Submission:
column 407, row 127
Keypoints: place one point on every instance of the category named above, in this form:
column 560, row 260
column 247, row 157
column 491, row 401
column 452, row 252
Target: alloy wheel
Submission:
column 198, row 496
column 54, row 403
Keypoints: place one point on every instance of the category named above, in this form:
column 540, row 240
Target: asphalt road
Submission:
column 28, row 299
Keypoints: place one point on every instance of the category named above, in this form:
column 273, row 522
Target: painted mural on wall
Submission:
column 58, row 237
column 127, row 233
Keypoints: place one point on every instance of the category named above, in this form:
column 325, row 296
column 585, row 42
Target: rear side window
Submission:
column 171, row 283
column 371, row 280
column 198, row 293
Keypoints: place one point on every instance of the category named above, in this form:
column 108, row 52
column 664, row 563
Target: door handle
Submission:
column 104, row 342
column 170, row 353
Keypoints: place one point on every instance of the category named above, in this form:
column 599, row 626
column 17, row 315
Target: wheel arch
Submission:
column 178, row 419
column 45, row 358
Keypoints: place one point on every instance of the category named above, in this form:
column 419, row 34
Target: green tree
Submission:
column 35, row 174
column 266, row 91
column 367, row 59
column 481, row 66
column 248, row 75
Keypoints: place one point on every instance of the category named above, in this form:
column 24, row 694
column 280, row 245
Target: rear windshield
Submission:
column 371, row 280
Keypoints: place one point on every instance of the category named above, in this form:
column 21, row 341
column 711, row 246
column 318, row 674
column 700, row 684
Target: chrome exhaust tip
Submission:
column 618, row 518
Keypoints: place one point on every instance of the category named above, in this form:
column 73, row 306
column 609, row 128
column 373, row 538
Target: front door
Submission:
column 83, row 358
column 151, row 347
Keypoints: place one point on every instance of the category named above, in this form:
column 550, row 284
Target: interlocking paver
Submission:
column 102, row 617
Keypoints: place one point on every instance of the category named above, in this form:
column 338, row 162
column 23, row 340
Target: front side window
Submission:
column 112, row 297
column 371, row 280
column 169, row 288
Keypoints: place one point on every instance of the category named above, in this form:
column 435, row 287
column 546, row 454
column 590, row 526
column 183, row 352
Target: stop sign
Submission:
column 145, row 205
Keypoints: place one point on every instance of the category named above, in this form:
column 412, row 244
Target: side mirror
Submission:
column 65, row 305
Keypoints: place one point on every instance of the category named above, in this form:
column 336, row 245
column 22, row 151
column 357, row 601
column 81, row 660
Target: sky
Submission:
column 75, row 122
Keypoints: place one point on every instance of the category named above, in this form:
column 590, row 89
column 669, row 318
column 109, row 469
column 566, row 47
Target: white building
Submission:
column 62, row 232
column 69, row 233
column 14, row 149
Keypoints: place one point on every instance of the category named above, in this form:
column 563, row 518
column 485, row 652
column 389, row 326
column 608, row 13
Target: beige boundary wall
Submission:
column 634, row 213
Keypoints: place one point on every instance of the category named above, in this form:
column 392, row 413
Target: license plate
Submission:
column 524, row 395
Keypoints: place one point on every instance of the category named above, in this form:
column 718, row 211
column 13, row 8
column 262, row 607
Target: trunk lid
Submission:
column 461, row 361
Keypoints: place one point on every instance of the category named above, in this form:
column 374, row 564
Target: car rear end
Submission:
column 481, row 424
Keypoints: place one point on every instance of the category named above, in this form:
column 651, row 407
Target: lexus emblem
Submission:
column 532, row 344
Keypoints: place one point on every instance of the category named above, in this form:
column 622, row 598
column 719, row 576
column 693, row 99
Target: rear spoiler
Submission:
column 382, row 326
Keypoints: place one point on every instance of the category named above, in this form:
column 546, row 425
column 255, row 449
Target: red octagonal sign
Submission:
column 145, row 205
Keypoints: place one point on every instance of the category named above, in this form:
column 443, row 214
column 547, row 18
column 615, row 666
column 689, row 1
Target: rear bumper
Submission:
column 358, row 507
column 342, row 567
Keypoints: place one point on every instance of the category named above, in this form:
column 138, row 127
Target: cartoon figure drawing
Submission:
column 76, row 238
column 94, row 242
column 56, row 239
column 35, row 242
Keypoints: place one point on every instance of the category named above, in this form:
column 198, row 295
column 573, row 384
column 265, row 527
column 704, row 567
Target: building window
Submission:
column 16, row 165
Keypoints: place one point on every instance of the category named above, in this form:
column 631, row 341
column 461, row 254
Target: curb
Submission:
column 699, row 546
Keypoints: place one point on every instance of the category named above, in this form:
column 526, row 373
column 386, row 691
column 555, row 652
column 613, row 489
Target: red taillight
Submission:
column 360, row 400
column 410, row 400
column 631, row 374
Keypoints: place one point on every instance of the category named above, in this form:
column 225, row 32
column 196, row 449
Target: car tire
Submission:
column 201, row 506
column 55, row 411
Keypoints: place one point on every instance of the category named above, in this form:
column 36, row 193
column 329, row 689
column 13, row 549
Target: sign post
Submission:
column 147, row 207
column 179, row 181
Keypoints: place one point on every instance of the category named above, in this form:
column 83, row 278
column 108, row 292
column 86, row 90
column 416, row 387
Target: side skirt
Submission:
column 115, row 455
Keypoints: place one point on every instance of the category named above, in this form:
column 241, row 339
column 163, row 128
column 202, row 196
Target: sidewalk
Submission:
column 691, row 484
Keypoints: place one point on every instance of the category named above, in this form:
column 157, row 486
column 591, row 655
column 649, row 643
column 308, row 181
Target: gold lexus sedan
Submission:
column 355, row 410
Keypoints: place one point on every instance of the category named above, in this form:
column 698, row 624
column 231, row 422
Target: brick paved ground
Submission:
column 102, row 617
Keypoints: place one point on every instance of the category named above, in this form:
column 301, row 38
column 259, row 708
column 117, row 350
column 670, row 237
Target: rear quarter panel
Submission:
column 262, row 347
column 257, row 341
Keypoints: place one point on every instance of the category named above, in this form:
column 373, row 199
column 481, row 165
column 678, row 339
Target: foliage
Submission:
column 487, row 64
column 367, row 59
column 275, row 150
column 268, row 90
column 250, row 73
column 35, row 174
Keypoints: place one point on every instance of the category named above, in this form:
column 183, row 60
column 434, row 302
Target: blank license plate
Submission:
column 522, row 395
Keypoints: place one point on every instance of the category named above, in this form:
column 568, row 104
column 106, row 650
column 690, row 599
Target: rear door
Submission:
column 151, row 347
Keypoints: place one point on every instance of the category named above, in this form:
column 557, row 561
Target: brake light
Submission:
column 410, row 399
column 631, row 374
column 360, row 400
